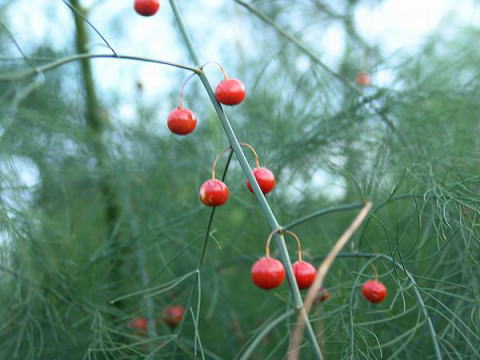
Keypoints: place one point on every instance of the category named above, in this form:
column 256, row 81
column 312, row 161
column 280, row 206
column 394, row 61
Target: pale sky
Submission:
column 400, row 26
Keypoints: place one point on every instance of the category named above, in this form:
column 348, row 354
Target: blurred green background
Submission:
column 98, row 201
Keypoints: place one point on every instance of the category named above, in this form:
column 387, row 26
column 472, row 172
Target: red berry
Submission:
column 363, row 79
column 213, row 192
column 230, row 92
column 140, row 324
column 181, row 121
column 374, row 291
column 322, row 295
column 304, row 274
column 146, row 7
column 172, row 315
column 265, row 180
column 268, row 273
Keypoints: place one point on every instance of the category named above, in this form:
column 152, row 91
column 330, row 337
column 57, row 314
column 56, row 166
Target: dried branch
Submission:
column 294, row 349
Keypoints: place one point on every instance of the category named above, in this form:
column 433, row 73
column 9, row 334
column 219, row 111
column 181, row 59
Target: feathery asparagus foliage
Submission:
column 409, row 146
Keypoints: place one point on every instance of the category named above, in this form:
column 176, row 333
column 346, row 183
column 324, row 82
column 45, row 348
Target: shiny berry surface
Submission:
column 146, row 7
column 172, row 315
column 304, row 274
column 374, row 291
column 213, row 192
column 181, row 121
column 268, row 273
column 139, row 324
column 265, row 180
column 230, row 92
column 363, row 79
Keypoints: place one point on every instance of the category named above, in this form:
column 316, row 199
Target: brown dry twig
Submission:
column 294, row 348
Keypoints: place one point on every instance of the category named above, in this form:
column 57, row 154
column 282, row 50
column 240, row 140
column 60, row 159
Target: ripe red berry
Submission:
column 304, row 274
column 363, row 79
column 374, row 291
column 146, row 7
column 322, row 295
column 139, row 324
column 181, row 121
column 172, row 315
column 265, row 180
column 230, row 92
column 213, row 192
column 268, row 273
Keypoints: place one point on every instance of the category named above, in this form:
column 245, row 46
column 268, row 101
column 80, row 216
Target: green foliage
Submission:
column 72, row 278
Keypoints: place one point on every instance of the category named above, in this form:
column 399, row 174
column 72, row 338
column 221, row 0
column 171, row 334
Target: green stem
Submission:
column 80, row 14
column 433, row 334
column 319, row 62
column 267, row 211
column 323, row 212
column 248, row 352
column 96, row 120
column 346, row 207
column 81, row 57
column 210, row 220
column 421, row 303
column 299, row 44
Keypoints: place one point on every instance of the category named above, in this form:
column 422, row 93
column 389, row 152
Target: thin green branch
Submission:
column 323, row 212
column 421, row 303
column 345, row 207
column 433, row 334
column 248, row 173
column 17, row 45
column 249, row 351
column 300, row 45
column 212, row 214
column 80, row 13
column 79, row 57
column 319, row 62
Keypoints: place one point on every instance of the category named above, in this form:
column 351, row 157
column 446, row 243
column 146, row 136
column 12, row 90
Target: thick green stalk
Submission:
column 267, row 211
column 96, row 121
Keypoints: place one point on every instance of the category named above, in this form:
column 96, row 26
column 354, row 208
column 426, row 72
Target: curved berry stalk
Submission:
column 304, row 272
column 373, row 290
column 265, row 178
column 214, row 192
column 230, row 91
column 146, row 7
column 182, row 121
column 296, row 296
column 267, row 272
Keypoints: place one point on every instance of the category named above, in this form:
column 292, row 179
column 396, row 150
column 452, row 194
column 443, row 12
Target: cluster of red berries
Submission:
column 268, row 273
column 214, row 192
column 182, row 121
column 172, row 315
column 146, row 7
